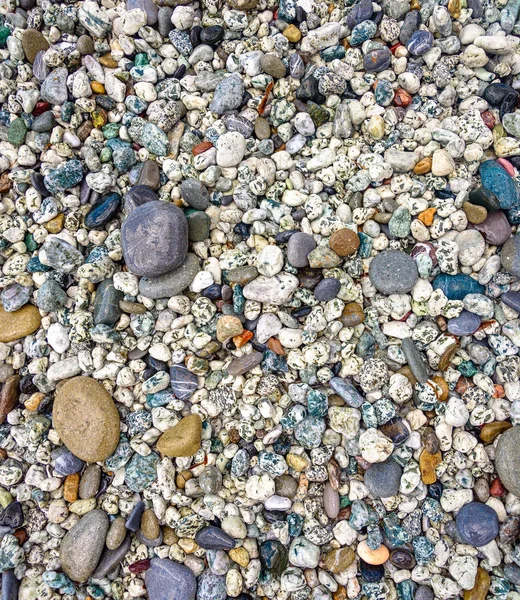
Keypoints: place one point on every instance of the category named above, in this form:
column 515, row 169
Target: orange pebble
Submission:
column 34, row 401
column 70, row 487
column 373, row 557
column 442, row 390
column 274, row 345
column 427, row 216
column 402, row 97
column 97, row 87
column 499, row 391
column 423, row 166
column 202, row 147
column 242, row 339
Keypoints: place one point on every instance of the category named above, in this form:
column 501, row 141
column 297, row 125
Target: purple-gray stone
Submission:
column 168, row 580
column 327, row 289
column 507, row 459
column 214, row 538
column 496, row 228
column 510, row 256
column 137, row 195
column 243, row 364
column 378, row 60
column 67, row 463
column 299, row 246
column 183, row 382
column 195, row 194
column 347, row 391
column 477, row 524
column 148, row 6
column 134, row 520
column 154, row 239
column 465, row 324
column 110, row 559
column 511, row 299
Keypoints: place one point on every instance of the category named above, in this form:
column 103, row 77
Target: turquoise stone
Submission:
column 141, row 471
column 103, row 210
column 274, row 556
column 456, row 287
column 497, row 179
column 384, row 92
column 363, row 32
column 333, row 53
column 423, row 549
column 64, row 177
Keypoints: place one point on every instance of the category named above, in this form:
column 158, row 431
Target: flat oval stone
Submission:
column 168, row 580
column 465, row 324
column 110, row 559
column 173, row 283
column 457, row 287
column 103, row 211
column 378, row 60
column 32, row 42
column 393, row 272
column 86, row 419
column 477, row 523
column 155, row 239
column 327, row 289
column 67, row 463
column 299, row 246
column 495, row 178
column 137, row 195
column 383, row 479
column 82, row 546
column 18, row 324
column 214, row 538
column 150, row 173
column 331, row 502
column 507, row 459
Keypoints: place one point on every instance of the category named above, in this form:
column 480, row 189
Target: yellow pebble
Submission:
column 97, row 88
column 55, row 225
column 240, row 556
column 189, row 546
column 292, row 33
column 297, row 462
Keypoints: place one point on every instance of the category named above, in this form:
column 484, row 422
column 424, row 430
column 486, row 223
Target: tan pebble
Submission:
column 182, row 439
column 292, row 33
column 344, row 242
column 373, row 557
column 476, row 214
column 182, row 478
column 228, row 326
column 34, row 401
column 189, row 546
column 150, row 525
column 169, row 536
column 16, row 325
column 116, row 534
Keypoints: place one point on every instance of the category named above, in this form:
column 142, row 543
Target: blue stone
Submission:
column 465, row 324
column 497, row 179
column 327, row 289
column 456, row 287
column 183, row 382
column 160, row 398
column 64, row 177
column 477, row 524
column 362, row 32
column 68, row 464
column 10, row 585
column 347, row 391
column 362, row 11
column 210, row 587
column 420, row 42
column 141, row 471
column 134, row 520
column 511, row 299
column 377, row 60
column 103, row 210
column 295, row 524
column 168, row 580
column 214, row 538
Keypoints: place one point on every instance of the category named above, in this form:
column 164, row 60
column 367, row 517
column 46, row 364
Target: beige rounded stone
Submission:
column 86, row 419
column 18, row 324
column 150, row 525
column 228, row 326
column 182, row 439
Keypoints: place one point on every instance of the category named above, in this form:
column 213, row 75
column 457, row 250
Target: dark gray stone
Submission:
column 195, row 194
column 393, row 272
column 327, row 289
column 168, row 580
column 383, row 479
column 106, row 304
column 154, row 239
column 111, row 558
column 214, row 538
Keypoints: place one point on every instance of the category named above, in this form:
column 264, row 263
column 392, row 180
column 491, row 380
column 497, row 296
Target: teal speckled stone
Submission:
column 141, row 471
column 64, row 177
column 363, row 32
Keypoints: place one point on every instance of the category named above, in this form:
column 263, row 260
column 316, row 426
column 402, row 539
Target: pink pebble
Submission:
column 507, row 166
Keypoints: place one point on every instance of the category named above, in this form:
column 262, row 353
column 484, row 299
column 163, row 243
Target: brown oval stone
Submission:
column 86, row 419
column 9, row 396
column 339, row 559
column 182, row 439
column 490, row 431
column 32, row 42
column 344, row 242
column 352, row 315
column 18, row 324
column 427, row 464
column 150, row 525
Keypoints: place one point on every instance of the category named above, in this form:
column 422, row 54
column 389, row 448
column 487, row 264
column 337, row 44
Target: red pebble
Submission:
column 139, row 566
column 497, row 488
column 394, row 47
column 488, row 118
column 40, row 108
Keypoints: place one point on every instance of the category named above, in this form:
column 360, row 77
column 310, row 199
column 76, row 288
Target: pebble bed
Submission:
column 260, row 296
